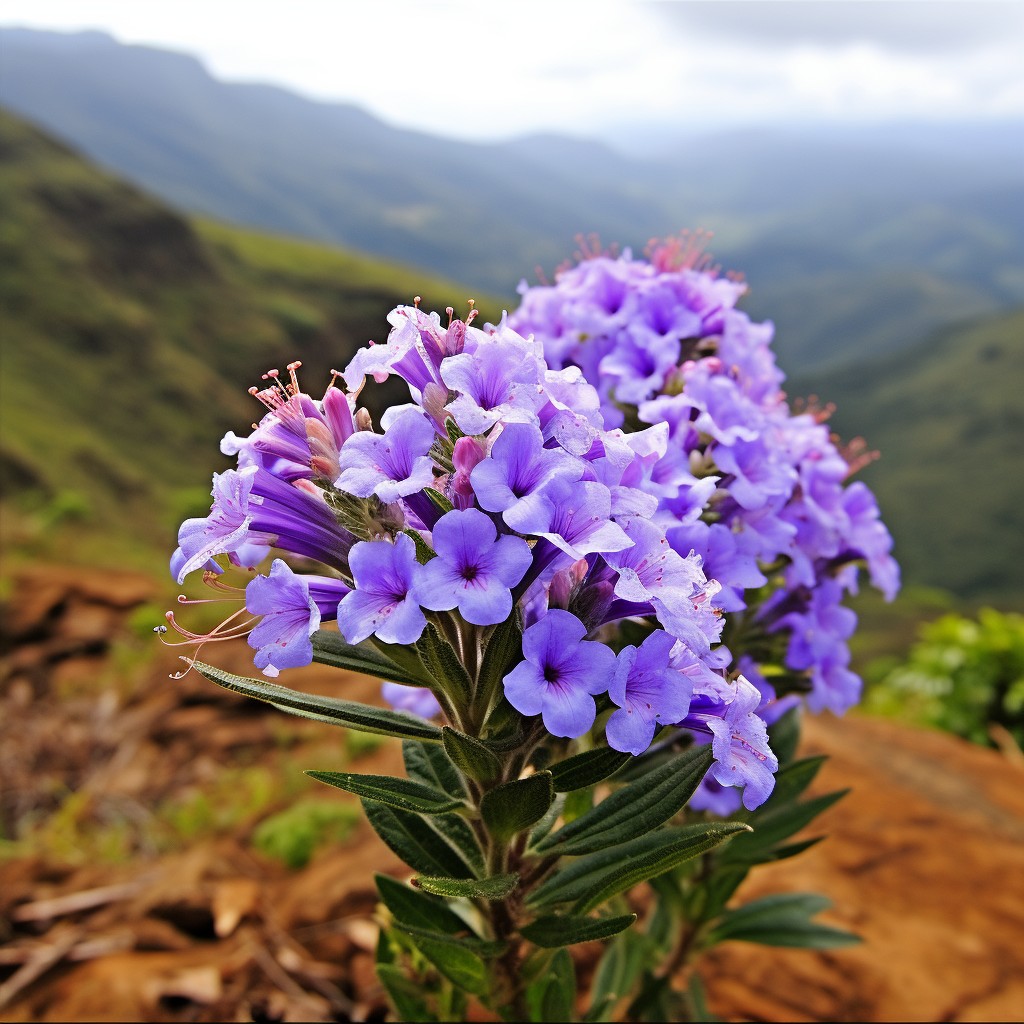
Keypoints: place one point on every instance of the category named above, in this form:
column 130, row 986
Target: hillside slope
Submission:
column 130, row 336
column 948, row 418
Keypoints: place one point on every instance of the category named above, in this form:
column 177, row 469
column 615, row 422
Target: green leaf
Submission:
column 617, row 972
column 417, row 909
column 470, row 942
column 444, row 663
column 503, row 652
column 405, row 994
column 547, row 823
column 635, row 809
column 793, row 849
column 407, row 658
column 775, row 825
column 429, row 764
column 504, row 727
column 334, row 711
column 460, row 966
column 783, row 919
column 330, row 648
column 802, row 904
column 784, row 736
column 470, row 756
column 438, row 500
column 792, row 780
column 413, row 838
column 424, row 552
column 453, row 430
column 586, row 769
column 560, row 930
column 552, row 997
column 386, row 789
column 514, row 806
column 456, row 830
column 589, row 881
column 496, row 887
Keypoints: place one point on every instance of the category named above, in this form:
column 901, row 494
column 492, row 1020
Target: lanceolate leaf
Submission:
column 792, row 780
column 410, row 907
column 406, row 995
column 330, row 648
column 404, row 794
column 783, row 919
column 460, row 966
column 635, row 809
column 428, row 763
column 470, row 756
column 412, row 838
column 592, row 879
column 470, row 943
column 352, row 715
column 775, row 825
column 514, row 806
column 444, row 663
column 456, row 831
column 504, row 651
column 552, row 997
column 497, row 887
column 587, row 768
column 559, row 930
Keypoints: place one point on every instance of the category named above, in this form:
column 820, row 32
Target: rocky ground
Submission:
column 925, row 857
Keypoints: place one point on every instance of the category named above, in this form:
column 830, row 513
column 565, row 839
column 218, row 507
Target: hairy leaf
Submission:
column 555, row 930
column 635, row 809
column 404, row 794
column 514, row 806
column 334, row 711
column 496, row 887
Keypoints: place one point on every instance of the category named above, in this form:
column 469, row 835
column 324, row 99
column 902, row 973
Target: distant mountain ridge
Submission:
column 130, row 336
column 854, row 245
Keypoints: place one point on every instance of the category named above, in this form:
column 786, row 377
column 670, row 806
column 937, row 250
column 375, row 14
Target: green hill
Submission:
column 130, row 336
column 948, row 418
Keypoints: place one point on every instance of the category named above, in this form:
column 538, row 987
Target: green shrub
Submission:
column 963, row 675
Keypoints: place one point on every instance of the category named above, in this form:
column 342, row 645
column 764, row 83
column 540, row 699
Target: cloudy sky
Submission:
column 492, row 68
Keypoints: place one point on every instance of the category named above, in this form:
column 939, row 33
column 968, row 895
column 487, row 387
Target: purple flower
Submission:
column 648, row 691
column 292, row 607
column 513, row 478
column 474, row 570
column 299, row 438
column 381, row 603
column 560, row 674
column 739, row 740
column 252, row 511
column 417, row 700
column 651, row 570
column 576, row 517
column 391, row 465
column 499, row 382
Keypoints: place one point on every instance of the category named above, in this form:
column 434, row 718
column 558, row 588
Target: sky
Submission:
column 617, row 69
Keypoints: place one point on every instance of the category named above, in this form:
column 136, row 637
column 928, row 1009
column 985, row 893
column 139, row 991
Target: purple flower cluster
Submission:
column 498, row 491
column 758, row 491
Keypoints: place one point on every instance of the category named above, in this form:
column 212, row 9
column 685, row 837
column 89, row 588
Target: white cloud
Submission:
column 488, row 70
